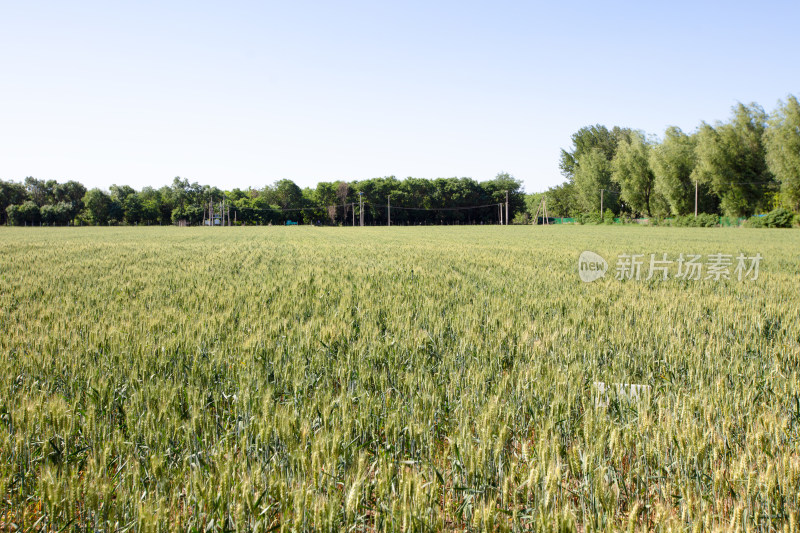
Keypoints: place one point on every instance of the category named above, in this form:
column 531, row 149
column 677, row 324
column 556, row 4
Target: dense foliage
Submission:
column 426, row 379
column 746, row 166
column 414, row 201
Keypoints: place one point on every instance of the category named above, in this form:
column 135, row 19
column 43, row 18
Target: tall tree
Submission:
column 782, row 140
column 27, row 213
column 593, row 174
column 71, row 192
column 286, row 194
column 562, row 200
column 342, row 195
column 40, row 191
column 496, row 190
column 731, row 158
column 151, row 205
column 631, row 170
column 98, row 205
column 11, row 193
column 591, row 138
column 673, row 161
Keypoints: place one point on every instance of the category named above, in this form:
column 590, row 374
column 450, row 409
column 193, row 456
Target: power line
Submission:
column 437, row 208
column 366, row 203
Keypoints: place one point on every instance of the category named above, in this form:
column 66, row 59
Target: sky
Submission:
column 242, row 94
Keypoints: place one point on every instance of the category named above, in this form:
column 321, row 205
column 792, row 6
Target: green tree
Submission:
column 631, row 170
column 782, row 140
column 39, row 191
column 27, row 213
column 133, row 209
column 286, row 194
column 496, row 191
column 562, row 200
column 325, row 198
column 731, row 158
column 11, row 193
column 588, row 139
column 70, row 192
column 59, row 214
column 673, row 161
column 593, row 173
column 98, row 206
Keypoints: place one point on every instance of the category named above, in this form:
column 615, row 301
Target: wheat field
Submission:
column 394, row 379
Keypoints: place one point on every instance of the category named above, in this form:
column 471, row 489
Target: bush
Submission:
column 683, row 221
column 780, row 218
column 703, row 220
column 608, row 217
column 777, row 218
column 521, row 218
column 706, row 220
column 27, row 214
column 588, row 218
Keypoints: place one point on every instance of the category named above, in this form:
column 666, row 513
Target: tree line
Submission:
column 747, row 165
column 413, row 200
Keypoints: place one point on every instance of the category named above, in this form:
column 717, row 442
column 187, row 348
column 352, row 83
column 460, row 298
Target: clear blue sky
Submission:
column 245, row 93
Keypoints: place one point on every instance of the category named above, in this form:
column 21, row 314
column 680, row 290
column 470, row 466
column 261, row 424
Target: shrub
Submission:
column 777, row 218
column 588, row 218
column 703, row 220
column 706, row 220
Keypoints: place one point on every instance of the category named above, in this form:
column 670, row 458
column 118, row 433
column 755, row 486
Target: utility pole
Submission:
column 695, row 198
column 544, row 210
column 389, row 211
column 353, row 207
column 601, row 203
column 506, row 208
column 361, row 209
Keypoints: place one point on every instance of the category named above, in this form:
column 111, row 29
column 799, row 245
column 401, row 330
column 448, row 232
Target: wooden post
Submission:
column 695, row 198
column 389, row 211
column 601, row 203
column 546, row 214
column 506, row 208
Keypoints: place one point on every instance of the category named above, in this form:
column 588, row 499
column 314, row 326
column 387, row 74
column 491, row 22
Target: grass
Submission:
column 393, row 379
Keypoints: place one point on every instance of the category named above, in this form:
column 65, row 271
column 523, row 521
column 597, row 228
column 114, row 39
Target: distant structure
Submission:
column 218, row 214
